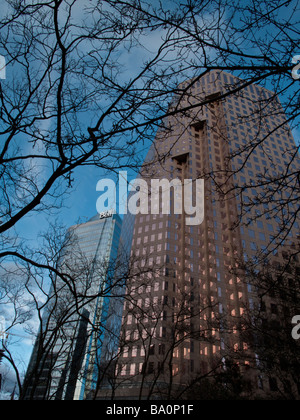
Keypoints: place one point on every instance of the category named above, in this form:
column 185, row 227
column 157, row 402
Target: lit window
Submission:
column 132, row 369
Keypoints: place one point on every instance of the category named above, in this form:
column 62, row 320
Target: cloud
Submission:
column 9, row 382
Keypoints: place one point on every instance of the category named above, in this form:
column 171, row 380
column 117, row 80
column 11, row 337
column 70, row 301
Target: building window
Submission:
column 251, row 233
column 273, row 384
column 132, row 369
column 262, row 237
column 152, row 350
column 150, row 368
column 161, row 349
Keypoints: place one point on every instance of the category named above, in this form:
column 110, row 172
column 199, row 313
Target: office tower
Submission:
column 73, row 338
column 189, row 290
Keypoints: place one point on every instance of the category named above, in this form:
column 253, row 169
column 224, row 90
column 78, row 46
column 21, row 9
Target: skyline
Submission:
column 88, row 87
column 133, row 184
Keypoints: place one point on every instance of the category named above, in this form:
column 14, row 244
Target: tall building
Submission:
column 73, row 339
column 188, row 292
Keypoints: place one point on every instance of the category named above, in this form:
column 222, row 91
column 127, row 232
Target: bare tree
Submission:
column 267, row 327
column 56, row 300
column 159, row 332
column 90, row 84
column 70, row 64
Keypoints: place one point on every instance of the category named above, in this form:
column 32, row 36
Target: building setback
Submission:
column 187, row 292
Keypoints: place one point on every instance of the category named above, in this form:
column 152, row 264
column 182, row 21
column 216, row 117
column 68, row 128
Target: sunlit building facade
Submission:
column 189, row 290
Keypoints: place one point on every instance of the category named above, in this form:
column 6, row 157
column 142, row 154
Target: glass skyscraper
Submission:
column 66, row 359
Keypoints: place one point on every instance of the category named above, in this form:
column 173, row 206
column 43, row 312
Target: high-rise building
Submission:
column 69, row 349
column 188, row 292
